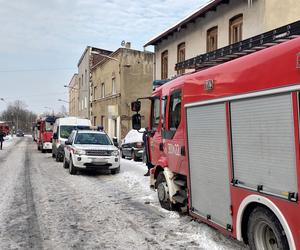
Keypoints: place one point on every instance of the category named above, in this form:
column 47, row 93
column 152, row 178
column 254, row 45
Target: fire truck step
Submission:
column 179, row 182
column 179, row 199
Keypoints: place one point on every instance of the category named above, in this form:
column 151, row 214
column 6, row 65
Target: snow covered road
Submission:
column 43, row 207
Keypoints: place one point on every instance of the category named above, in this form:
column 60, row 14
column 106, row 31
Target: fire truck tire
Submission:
column 43, row 150
column 163, row 192
column 72, row 169
column 265, row 231
column 53, row 155
column 65, row 163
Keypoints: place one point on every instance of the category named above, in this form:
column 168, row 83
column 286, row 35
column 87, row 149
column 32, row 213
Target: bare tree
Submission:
column 18, row 116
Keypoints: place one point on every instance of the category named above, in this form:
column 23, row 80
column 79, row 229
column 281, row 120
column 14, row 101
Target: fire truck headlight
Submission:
column 115, row 153
column 79, row 152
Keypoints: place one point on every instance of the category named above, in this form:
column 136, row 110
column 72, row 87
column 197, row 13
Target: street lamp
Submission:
column 61, row 100
column 50, row 109
column 67, row 86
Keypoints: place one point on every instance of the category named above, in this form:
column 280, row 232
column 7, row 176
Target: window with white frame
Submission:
column 85, row 102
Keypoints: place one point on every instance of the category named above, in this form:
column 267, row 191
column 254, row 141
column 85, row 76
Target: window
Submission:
column 235, row 29
column 113, row 86
column 95, row 120
column 81, row 104
column 102, row 90
column 175, row 110
column 82, row 80
column 155, row 113
column 86, row 77
column 181, row 56
column 164, row 110
column 85, row 102
column 164, row 65
column 212, row 39
column 95, row 91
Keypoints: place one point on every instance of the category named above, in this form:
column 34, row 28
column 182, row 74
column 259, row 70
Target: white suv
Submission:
column 88, row 149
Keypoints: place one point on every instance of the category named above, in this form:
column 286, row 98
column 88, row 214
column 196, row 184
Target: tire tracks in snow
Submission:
column 19, row 225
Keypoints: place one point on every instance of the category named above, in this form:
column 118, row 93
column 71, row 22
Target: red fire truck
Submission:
column 45, row 132
column 224, row 140
column 4, row 127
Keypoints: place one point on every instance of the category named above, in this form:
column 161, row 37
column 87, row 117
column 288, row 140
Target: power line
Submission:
column 35, row 70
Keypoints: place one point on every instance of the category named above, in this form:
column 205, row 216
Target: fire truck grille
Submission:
column 98, row 152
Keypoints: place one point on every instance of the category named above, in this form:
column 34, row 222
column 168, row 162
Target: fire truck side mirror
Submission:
column 55, row 137
column 136, row 121
column 136, row 106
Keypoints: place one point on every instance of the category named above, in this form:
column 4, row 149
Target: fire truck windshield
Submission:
column 49, row 126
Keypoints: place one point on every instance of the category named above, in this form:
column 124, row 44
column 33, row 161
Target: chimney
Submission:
column 128, row 45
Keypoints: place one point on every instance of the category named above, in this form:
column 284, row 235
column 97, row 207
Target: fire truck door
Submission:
column 155, row 138
column 208, row 163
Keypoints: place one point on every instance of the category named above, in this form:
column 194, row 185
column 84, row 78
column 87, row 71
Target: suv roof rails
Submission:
column 242, row 48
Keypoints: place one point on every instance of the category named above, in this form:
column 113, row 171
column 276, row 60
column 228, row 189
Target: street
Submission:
column 43, row 207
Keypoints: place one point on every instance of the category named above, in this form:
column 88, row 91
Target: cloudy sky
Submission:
column 42, row 40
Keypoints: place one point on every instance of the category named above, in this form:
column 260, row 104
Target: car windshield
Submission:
column 65, row 131
column 92, row 138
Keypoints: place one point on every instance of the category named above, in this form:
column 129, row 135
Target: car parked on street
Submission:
column 133, row 145
column 63, row 127
column 20, row 133
column 91, row 150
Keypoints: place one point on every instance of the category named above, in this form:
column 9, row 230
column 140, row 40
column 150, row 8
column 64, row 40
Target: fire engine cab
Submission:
column 224, row 140
column 45, row 132
column 4, row 127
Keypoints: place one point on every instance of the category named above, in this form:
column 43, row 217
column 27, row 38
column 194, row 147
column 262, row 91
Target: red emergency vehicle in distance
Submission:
column 224, row 141
column 4, row 127
column 45, row 133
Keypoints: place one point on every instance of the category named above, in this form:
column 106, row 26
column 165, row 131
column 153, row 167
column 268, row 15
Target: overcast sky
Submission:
column 41, row 41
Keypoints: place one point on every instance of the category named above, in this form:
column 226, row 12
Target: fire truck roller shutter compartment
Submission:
column 263, row 144
column 208, row 149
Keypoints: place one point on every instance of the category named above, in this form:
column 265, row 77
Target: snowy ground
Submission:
column 43, row 207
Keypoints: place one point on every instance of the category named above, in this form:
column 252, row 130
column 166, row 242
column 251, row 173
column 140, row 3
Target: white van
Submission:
column 63, row 127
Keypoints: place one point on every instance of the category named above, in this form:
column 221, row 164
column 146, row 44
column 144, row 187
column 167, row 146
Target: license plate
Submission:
column 99, row 161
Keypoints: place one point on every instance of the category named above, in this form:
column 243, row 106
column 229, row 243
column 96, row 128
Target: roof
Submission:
column 210, row 6
column 102, row 51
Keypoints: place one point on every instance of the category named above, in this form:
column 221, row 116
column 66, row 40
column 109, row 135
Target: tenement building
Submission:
column 117, row 80
column 217, row 24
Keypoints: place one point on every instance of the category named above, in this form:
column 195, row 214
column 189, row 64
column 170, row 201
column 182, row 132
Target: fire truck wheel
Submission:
column 265, row 231
column 53, row 155
column 72, row 169
column 163, row 192
column 43, row 150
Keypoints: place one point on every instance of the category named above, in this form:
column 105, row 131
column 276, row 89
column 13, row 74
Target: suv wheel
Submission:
column 72, row 169
column 65, row 164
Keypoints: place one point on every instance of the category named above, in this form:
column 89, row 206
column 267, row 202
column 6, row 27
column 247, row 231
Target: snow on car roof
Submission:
column 134, row 136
